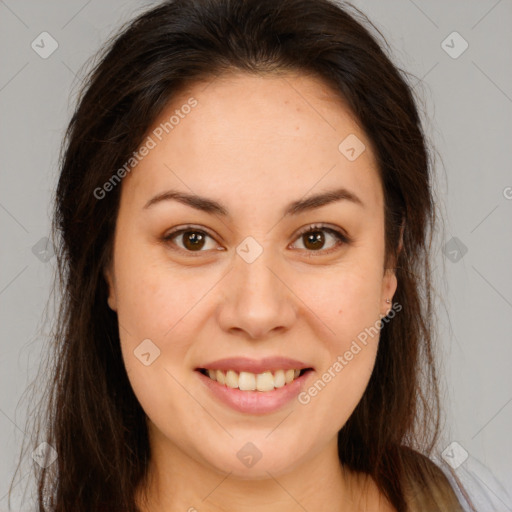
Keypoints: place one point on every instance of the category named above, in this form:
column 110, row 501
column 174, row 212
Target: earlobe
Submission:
column 393, row 283
column 111, row 299
column 389, row 287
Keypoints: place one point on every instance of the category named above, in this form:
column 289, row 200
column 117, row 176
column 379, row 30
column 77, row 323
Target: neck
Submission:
column 176, row 481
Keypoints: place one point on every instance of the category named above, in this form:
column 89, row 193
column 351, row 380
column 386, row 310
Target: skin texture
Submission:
column 254, row 144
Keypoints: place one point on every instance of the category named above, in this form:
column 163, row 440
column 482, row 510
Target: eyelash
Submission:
column 341, row 237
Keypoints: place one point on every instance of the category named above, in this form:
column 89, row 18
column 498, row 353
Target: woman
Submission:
column 245, row 213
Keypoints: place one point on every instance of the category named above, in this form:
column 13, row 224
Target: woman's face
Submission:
column 243, row 288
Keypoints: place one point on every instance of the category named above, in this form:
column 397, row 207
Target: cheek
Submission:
column 153, row 304
column 348, row 304
column 152, row 313
column 152, row 298
column 346, row 301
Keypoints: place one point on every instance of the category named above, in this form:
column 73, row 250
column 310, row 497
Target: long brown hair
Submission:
column 90, row 414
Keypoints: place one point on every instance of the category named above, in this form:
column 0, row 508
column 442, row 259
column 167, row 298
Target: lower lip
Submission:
column 255, row 402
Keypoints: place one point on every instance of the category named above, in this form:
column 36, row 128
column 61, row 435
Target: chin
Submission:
column 250, row 463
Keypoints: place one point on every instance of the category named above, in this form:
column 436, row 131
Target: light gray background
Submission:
column 468, row 114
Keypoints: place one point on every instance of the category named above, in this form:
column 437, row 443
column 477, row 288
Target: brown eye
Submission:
column 192, row 240
column 314, row 239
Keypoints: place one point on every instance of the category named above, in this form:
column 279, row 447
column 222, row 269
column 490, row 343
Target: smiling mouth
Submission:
column 247, row 381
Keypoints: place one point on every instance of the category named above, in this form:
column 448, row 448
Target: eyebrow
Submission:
column 211, row 206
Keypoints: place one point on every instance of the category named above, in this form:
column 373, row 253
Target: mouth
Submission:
column 254, row 386
column 260, row 391
column 266, row 381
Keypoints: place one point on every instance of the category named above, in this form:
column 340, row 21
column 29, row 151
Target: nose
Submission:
column 258, row 300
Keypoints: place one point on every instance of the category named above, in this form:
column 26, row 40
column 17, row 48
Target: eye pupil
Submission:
column 316, row 238
column 195, row 239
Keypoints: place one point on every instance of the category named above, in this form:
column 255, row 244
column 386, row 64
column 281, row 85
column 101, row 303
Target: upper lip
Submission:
column 244, row 364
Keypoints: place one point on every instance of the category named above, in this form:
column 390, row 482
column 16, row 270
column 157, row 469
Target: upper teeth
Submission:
column 247, row 381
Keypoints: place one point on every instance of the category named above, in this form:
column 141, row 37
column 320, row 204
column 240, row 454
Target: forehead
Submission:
column 253, row 136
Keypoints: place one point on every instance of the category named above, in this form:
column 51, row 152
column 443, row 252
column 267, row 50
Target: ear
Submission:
column 109, row 278
column 390, row 282
column 389, row 285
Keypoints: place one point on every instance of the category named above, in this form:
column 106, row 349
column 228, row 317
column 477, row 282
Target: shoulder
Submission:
column 475, row 485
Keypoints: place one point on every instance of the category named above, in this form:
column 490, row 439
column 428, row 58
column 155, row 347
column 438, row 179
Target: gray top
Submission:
column 479, row 491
